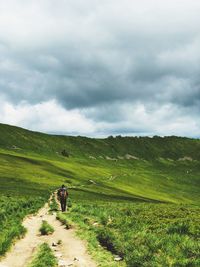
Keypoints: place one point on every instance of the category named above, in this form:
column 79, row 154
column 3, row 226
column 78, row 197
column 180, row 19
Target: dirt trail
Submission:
column 71, row 252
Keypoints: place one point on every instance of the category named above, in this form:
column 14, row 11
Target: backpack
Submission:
column 63, row 192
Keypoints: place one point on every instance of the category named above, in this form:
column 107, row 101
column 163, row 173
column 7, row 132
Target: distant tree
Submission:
column 65, row 153
column 156, row 136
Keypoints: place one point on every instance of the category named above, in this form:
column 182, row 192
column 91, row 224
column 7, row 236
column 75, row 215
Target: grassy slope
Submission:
column 142, row 234
column 34, row 160
column 142, row 147
column 31, row 165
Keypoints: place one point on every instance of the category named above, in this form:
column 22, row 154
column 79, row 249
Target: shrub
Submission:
column 65, row 153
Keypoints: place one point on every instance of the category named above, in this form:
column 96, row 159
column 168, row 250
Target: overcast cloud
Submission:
column 101, row 67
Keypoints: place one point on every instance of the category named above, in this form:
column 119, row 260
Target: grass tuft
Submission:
column 53, row 205
column 46, row 228
column 44, row 257
column 64, row 220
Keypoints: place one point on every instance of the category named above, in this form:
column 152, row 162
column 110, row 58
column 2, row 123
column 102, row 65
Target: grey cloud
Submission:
column 80, row 83
column 100, row 55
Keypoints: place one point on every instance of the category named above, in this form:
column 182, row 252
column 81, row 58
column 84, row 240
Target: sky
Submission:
column 101, row 67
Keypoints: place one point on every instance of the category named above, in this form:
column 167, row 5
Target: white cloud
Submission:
column 47, row 117
column 150, row 120
column 136, row 119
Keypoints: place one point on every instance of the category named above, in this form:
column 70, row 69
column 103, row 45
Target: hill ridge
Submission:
column 148, row 148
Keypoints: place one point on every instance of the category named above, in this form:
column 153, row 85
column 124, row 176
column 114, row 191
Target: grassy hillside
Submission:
column 18, row 139
column 140, row 169
column 129, row 187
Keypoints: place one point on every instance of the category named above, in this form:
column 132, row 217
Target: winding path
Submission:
column 71, row 251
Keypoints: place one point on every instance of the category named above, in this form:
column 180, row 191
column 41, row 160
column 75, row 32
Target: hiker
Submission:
column 62, row 196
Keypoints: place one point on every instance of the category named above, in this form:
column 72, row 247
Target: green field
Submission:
column 146, row 185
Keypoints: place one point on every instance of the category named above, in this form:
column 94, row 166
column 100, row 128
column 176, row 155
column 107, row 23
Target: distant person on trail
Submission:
column 62, row 196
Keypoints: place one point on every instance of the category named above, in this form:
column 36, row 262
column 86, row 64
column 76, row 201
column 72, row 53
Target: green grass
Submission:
column 64, row 220
column 46, row 228
column 129, row 180
column 142, row 234
column 53, row 205
column 135, row 193
column 44, row 257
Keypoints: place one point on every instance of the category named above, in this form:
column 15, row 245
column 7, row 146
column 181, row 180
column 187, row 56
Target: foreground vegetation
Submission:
column 12, row 212
column 44, row 257
column 142, row 234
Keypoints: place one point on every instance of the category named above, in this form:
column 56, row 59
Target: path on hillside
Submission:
column 71, row 252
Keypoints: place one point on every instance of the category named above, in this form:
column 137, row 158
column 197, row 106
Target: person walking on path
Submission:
column 63, row 195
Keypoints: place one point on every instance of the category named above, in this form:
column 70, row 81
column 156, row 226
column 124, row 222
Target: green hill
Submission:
column 15, row 138
column 165, row 169
column 138, row 197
